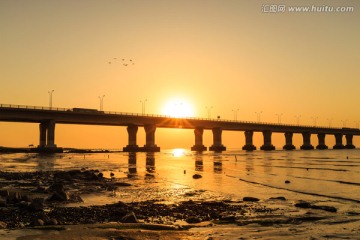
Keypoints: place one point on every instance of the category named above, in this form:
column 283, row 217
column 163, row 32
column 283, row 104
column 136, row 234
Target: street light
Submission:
column 330, row 120
column 235, row 113
column 314, row 118
column 344, row 122
column 258, row 115
column 279, row 117
column 357, row 124
column 143, row 105
column 101, row 102
column 209, row 111
column 297, row 119
column 50, row 98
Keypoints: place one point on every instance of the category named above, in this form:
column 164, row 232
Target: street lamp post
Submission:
column 297, row 119
column 279, row 117
column 209, row 111
column 330, row 120
column 357, row 124
column 101, row 102
column 258, row 115
column 344, row 122
column 235, row 113
column 50, row 98
column 314, row 118
column 143, row 105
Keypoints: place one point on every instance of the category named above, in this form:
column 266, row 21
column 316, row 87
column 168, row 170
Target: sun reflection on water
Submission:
column 178, row 152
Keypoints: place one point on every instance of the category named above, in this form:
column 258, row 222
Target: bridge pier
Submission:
column 249, row 146
column 321, row 138
column 267, row 141
column 217, row 143
column 306, row 141
column 132, row 146
column 338, row 141
column 349, row 142
column 199, row 146
column 43, row 129
column 150, row 145
column 47, row 137
column 288, row 141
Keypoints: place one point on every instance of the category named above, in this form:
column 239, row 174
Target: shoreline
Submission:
column 56, row 215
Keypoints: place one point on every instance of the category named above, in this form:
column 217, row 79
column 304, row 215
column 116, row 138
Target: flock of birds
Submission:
column 124, row 62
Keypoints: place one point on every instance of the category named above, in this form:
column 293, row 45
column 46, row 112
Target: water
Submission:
column 323, row 176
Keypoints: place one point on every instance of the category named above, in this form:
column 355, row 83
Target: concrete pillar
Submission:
column 199, row 146
column 306, row 141
column 132, row 146
column 349, row 142
column 267, row 141
column 150, row 145
column 51, row 134
column 338, row 141
column 42, row 128
column 217, row 144
column 249, row 146
column 288, row 141
column 321, row 138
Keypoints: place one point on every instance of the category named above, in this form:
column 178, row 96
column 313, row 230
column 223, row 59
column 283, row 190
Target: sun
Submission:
column 178, row 108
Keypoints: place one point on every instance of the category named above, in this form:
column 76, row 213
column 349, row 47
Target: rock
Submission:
column 37, row 204
column 250, row 199
column 193, row 220
column 52, row 221
column 2, row 203
column 303, row 204
column 325, row 208
column 4, row 193
column 278, row 198
column 129, row 218
column 59, row 193
column 197, row 176
column 63, row 196
column 14, row 197
column 38, row 222
column 3, row 225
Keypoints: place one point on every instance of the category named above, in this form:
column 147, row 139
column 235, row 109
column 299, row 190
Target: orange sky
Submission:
column 224, row 54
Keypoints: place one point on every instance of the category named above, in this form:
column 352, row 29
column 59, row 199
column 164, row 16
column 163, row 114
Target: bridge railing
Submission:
column 159, row 115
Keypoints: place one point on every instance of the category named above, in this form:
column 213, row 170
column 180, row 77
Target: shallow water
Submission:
column 324, row 176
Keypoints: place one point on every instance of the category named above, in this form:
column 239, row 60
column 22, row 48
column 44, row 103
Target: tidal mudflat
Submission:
column 179, row 194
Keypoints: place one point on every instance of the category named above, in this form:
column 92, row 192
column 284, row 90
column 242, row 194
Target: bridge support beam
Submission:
column 217, row 145
column 199, row 146
column 267, row 141
column 47, row 137
column 150, row 145
column 321, row 138
column 43, row 129
column 306, row 141
column 51, row 134
column 249, row 146
column 338, row 141
column 132, row 146
column 349, row 142
column 288, row 141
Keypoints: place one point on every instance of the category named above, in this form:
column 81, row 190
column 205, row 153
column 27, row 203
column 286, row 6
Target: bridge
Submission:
column 47, row 118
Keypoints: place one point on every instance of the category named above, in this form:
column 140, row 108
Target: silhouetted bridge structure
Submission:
column 49, row 117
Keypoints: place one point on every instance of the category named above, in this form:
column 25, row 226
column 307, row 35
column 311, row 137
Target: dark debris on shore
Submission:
column 39, row 198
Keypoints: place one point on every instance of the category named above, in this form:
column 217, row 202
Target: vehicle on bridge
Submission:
column 86, row 110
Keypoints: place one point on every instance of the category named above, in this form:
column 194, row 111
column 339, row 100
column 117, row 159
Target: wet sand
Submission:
column 189, row 218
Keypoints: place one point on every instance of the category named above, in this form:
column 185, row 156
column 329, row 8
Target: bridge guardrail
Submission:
column 159, row 115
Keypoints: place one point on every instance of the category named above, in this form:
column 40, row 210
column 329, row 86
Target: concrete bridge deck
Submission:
column 48, row 117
